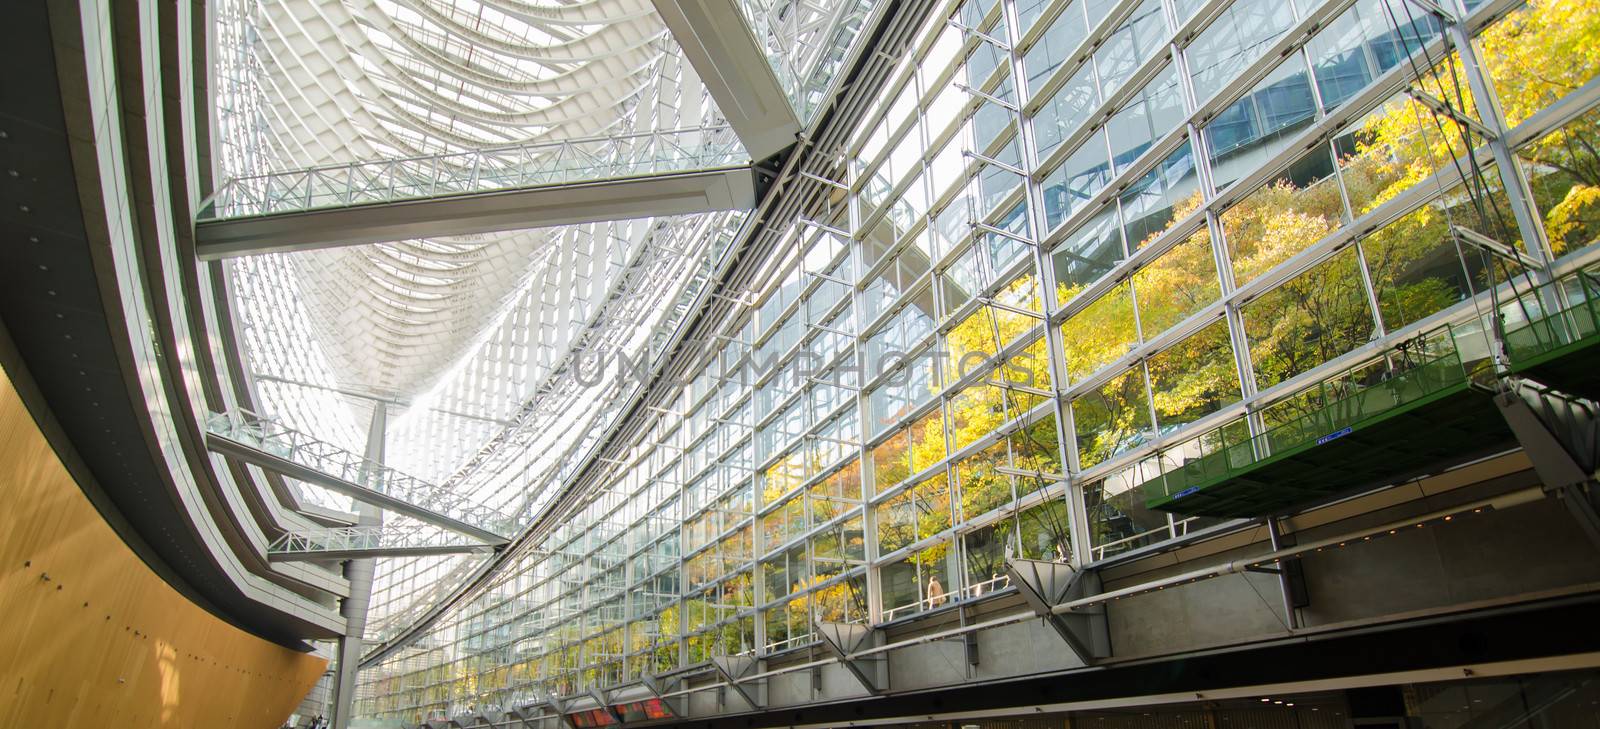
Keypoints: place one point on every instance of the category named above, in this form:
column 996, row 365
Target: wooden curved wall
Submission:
column 90, row 637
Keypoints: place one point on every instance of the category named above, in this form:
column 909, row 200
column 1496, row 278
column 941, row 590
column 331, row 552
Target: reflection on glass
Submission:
column 1066, row 111
column 1161, row 197
column 1178, row 283
column 1362, row 43
column 1261, row 123
column 1101, row 333
column 1079, row 178
column 1194, row 378
column 1308, row 320
column 1051, row 50
column 1087, row 254
column 1284, row 216
column 1151, row 114
column 1112, row 419
column 1235, row 39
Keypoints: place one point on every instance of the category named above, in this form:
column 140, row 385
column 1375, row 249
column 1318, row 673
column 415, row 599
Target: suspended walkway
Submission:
column 378, row 540
column 291, row 453
column 540, row 184
column 1426, row 401
column 1558, row 348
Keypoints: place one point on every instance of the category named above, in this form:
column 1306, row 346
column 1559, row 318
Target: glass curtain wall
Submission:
column 1070, row 245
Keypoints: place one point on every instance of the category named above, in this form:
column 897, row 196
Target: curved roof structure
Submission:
column 464, row 335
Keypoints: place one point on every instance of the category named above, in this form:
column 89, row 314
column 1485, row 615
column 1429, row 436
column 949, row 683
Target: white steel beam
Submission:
column 724, row 53
column 726, row 188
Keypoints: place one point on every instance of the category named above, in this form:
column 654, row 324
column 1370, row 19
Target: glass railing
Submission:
column 477, row 171
column 1555, row 316
column 1414, row 370
column 365, row 537
column 276, row 439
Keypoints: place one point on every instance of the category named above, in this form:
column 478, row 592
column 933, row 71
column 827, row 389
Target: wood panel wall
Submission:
column 90, row 637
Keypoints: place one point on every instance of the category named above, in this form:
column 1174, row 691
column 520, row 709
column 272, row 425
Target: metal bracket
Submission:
column 1496, row 248
column 522, row 717
column 660, row 686
column 559, row 707
column 843, row 640
column 1557, row 433
column 737, row 670
column 1047, row 585
column 604, row 701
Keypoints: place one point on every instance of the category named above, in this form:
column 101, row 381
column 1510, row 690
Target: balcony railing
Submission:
column 395, row 538
column 1286, row 464
column 276, row 439
column 477, row 171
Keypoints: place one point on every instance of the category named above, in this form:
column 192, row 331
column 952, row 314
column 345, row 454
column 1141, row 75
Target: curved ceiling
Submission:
column 462, row 335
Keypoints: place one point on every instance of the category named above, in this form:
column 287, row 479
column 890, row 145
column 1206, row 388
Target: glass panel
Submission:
column 1541, row 52
column 1052, row 48
column 1415, row 267
column 1563, row 168
column 1167, row 193
column 1194, row 378
column 984, row 489
column 1112, row 419
column 1130, row 44
column 1178, row 283
column 1392, row 149
column 1362, row 43
column 1308, row 320
column 1151, row 114
column 1066, row 111
column 1284, row 216
column 1118, row 519
column 1100, row 334
column 1045, row 531
column 1079, row 178
column 1087, row 254
column 923, row 581
column 1261, row 123
column 984, row 551
column 1235, row 39
column 842, row 602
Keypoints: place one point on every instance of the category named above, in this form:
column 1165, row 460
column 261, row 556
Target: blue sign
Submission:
column 1185, row 492
column 1335, row 435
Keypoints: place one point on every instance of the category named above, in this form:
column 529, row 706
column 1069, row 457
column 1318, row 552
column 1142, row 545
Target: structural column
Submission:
column 359, row 572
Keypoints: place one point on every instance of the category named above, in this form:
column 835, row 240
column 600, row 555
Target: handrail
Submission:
column 366, row 537
column 1415, row 368
column 274, row 438
column 565, row 161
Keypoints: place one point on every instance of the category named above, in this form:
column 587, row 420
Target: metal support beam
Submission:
column 370, row 540
column 726, row 188
column 360, row 572
column 736, row 670
column 604, row 702
column 718, row 43
column 1553, row 435
column 290, row 469
column 660, row 686
column 1048, row 585
column 841, row 640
